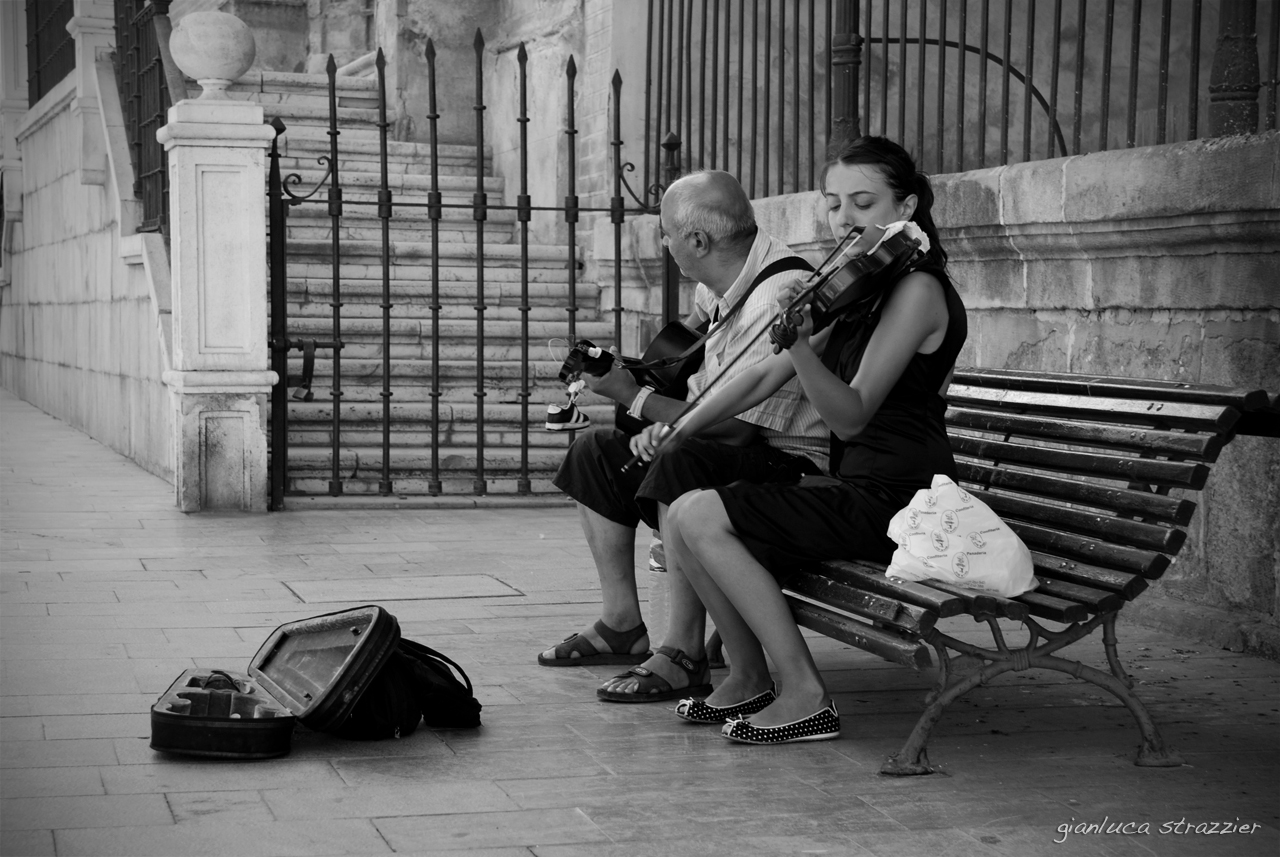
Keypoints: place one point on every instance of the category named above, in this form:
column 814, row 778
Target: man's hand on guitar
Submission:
column 617, row 384
column 646, row 443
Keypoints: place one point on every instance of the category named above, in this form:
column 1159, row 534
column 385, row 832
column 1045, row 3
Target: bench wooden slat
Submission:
column 1111, row 386
column 1171, row 474
column 1204, row 447
column 1060, row 568
column 841, row 596
column 1095, row 600
column 870, row 576
column 981, row 603
column 896, row 648
column 1057, row 609
column 1160, row 507
column 1149, row 564
column 1208, row 418
column 1163, row 539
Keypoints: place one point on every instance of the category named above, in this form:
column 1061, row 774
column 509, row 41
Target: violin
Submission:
column 845, row 285
column 850, row 284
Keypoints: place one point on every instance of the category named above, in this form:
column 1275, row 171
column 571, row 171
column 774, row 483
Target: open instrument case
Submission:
column 311, row 671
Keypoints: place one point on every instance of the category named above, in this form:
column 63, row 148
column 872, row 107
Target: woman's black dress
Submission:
column 846, row 515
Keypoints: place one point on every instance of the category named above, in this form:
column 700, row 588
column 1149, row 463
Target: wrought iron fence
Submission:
column 760, row 87
column 282, row 197
column 145, row 77
column 51, row 50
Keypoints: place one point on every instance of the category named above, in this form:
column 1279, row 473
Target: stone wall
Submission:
column 78, row 328
column 1161, row 262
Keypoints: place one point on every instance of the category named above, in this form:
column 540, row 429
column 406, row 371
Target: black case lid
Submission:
column 319, row 667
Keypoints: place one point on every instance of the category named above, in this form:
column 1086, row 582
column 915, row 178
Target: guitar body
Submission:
column 670, row 381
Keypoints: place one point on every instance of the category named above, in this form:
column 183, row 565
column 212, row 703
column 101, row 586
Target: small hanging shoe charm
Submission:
column 568, row 417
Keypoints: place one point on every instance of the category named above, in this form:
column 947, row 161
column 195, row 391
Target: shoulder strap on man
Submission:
column 777, row 266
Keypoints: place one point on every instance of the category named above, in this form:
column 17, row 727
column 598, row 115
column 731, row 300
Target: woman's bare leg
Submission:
column 747, row 606
column 749, row 670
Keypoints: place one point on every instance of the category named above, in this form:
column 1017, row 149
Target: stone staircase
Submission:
column 301, row 102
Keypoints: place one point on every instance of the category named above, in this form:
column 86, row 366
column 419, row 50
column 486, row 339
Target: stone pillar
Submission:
column 219, row 380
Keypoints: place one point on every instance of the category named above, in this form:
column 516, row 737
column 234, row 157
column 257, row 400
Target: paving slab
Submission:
column 107, row 593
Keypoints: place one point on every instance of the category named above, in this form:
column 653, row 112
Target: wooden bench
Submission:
column 1081, row 469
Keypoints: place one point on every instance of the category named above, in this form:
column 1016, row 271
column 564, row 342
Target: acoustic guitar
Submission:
column 670, row 359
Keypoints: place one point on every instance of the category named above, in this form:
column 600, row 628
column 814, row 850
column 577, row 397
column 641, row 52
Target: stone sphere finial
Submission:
column 215, row 48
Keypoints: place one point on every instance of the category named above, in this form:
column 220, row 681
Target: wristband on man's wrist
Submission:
column 637, row 404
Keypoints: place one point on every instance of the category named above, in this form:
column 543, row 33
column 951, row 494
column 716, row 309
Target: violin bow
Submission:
column 815, row 278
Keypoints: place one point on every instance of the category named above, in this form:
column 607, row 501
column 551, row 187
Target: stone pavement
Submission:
column 109, row 593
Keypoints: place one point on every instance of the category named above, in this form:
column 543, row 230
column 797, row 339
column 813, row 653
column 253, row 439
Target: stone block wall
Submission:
column 1159, row 262
column 78, row 330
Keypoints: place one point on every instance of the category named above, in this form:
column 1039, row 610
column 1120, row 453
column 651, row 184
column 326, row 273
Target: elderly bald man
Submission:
column 709, row 226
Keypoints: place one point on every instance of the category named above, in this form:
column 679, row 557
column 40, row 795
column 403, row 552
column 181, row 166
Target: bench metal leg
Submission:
column 1152, row 753
column 959, row 675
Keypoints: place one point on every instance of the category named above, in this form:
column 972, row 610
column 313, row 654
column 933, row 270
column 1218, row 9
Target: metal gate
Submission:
column 285, row 194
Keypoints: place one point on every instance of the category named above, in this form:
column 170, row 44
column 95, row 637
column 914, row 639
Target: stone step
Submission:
column 462, row 487
column 348, row 163
column 365, row 371
column 456, row 403
column 461, row 312
column 412, row 277
column 417, row 416
column 359, row 138
column 498, row 435
column 398, row 230
column 416, row 216
column 363, row 184
column 309, row 141
column 316, row 269
column 315, row 112
column 460, row 387
column 360, row 467
column 495, row 331
column 356, row 253
column 549, row 446
column 298, row 83
column 417, row 348
column 413, row 299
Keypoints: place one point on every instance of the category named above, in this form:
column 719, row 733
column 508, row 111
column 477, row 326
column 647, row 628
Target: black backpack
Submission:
column 415, row 684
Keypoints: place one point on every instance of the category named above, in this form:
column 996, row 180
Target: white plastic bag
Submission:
column 947, row 534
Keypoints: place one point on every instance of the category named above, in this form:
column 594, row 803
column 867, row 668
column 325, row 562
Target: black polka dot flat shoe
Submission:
column 822, row 726
column 698, row 711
